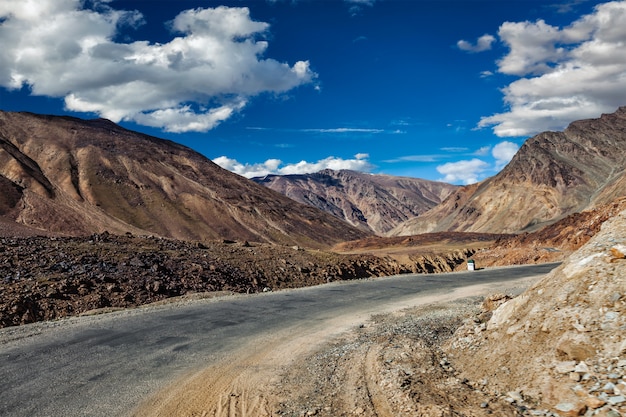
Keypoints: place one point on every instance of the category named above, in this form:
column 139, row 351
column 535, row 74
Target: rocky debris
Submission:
column 46, row 278
column 551, row 243
column 556, row 350
column 450, row 239
column 393, row 365
column 560, row 346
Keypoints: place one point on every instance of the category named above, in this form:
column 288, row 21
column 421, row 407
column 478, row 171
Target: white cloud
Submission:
column 356, row 6
column 454, row 149
column 503, row 152
column 566, row 74
column 415, row 158
column 276, row 167
column 482, row 44
column 201, row 77
column 482, row 151
column 333, row 130
column 466, row 172
column 249, row 170
column 344, row 130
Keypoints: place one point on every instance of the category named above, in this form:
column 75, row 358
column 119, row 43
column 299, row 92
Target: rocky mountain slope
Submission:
column 560, row 346
column 77, row 177
column 374, row 203
column 551, row 243
column 553, row 174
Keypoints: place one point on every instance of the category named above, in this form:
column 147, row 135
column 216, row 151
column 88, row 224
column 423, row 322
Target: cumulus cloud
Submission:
column 465, row 172
column 565, row 74
column 476, row 169
column 503, row 152
column 482, row 44
column 276, row 166
column 206, row 73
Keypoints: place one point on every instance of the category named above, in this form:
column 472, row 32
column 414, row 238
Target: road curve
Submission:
column 105, row 365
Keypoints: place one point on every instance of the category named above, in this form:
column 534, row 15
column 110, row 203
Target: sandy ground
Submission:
column 389, row 364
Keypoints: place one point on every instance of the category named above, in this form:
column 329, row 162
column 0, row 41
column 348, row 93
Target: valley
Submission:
column 100, row 225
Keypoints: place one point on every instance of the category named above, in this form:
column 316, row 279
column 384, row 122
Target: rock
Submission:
column 617, row 399
column 494, row 301
column 609, row 387
column 575, row 376
column 516, row 396
column 570, row 409
column 575, row 348
column 594, row 402
column 618, row 252
column 582, row 368
column 565, row 367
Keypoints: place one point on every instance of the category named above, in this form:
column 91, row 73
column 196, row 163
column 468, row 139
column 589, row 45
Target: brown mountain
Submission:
column 369, row 202
column 554, row 174
column 75, row 177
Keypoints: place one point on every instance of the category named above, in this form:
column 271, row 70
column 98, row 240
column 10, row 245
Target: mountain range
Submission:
column 553, row 175
column 373, row 203
column 76, row 177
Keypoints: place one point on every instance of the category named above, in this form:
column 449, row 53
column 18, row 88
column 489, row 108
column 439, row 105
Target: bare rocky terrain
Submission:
column 374, row 203
column 561, row 345
column 95, row 218
column 555, row 350
column 50, row 277
column 554, row 174
column 77, row 177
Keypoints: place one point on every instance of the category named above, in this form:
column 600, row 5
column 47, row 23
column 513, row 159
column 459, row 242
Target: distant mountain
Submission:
column 75, row 177
column 554, row 174
column 369, row 202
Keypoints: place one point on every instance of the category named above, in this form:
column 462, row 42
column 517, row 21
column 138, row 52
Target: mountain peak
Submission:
column 552, row 175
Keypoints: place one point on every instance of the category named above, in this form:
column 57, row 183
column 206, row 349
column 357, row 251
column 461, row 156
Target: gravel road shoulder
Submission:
column 391, row 366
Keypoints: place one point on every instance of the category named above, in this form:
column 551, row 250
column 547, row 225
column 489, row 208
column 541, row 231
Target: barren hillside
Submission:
column 554, row 174
column 374, row 203
column 76, row 177
column 560, row 345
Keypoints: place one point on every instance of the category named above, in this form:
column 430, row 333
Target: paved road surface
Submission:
column 104, row 365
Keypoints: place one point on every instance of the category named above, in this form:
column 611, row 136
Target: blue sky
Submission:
column 442, row 90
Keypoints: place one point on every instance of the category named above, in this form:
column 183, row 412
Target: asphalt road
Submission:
column 104, row 365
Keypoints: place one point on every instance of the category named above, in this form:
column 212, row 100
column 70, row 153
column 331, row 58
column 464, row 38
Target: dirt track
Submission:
column 388, row 365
